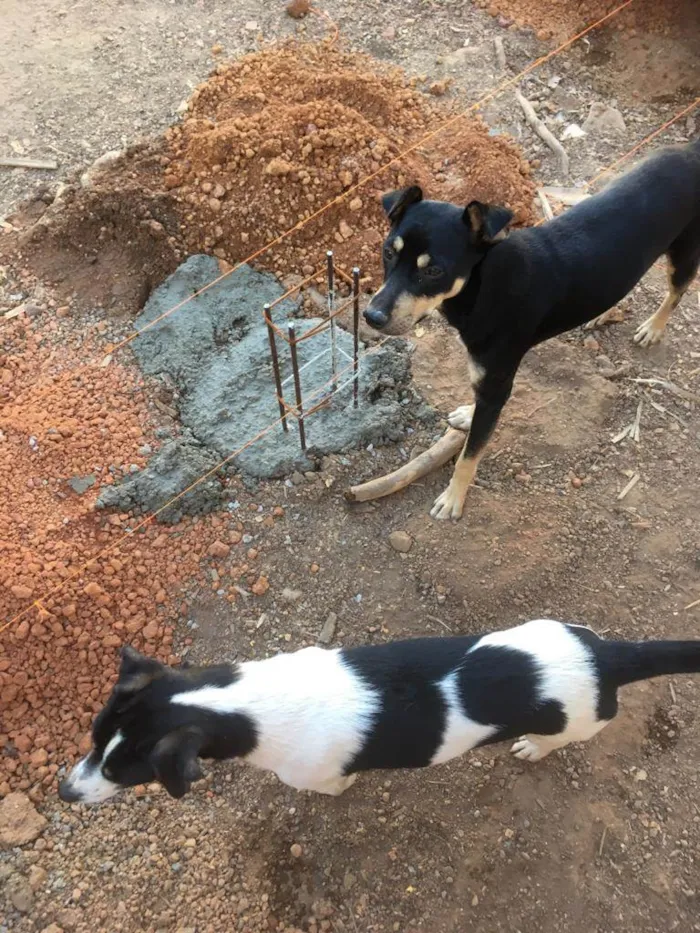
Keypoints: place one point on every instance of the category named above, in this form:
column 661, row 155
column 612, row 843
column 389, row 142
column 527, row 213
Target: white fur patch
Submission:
column 423, row 260
column 398, row 244
column 86, row 778
column 461, row 733
column 567, row 673
column 311, row 714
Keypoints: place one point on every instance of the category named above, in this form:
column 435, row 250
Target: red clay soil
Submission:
column 563, row 17
column 266, row 141
column 59, row 419
column 270, row 139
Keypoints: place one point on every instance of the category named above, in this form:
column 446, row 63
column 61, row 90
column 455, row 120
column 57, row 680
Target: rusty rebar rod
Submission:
column 331, row 317
column 355, row 336
column 297, row 383
column 276, row 366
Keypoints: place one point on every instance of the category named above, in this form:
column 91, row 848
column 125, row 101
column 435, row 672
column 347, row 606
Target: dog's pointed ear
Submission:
column 487, row 222
column 174, row 760
column 396, row 202
column 136, row 671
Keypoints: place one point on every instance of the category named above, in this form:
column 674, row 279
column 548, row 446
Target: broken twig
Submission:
column 545, row 135
column 13, row 162
column 546, row 206
column 500, row 53
column 629, row 487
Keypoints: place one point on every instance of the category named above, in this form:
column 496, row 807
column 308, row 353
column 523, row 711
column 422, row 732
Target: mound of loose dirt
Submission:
column 565, row 16
column 270, row 139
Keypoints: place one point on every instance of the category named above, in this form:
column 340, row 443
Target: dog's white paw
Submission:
column 528, row 750
column 449, row 504
column 461, row 418
column 648, row 333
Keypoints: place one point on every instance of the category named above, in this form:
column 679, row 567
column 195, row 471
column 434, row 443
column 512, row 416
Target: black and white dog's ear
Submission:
column 136, row 671
column 174, row 760
column 395, row 203
column 487, row 222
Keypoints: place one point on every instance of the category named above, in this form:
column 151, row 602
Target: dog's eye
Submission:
column 388, row 254
column 433, row 272
column 107, row 773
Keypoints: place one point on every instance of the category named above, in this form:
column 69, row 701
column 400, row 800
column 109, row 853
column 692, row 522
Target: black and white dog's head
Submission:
column 429, row 254
column 144, row 734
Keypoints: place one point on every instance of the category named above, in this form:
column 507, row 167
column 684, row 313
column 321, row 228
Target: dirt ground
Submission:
column 600, row 838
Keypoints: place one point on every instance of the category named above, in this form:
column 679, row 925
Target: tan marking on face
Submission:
column 398, row 244
column 423, row 260
column 415, row 308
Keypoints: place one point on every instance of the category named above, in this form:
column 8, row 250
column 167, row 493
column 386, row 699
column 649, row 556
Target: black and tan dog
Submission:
column 505, row 294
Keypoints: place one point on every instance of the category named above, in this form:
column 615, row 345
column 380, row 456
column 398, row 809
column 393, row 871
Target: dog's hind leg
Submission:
column 683, row 261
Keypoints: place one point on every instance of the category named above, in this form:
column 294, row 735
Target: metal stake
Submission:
column 331, row 302
column 275, row 366
column 297, row 383
column 356, row 335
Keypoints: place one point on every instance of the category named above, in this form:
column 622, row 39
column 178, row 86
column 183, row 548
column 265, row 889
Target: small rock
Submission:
column 296, row 850
column 439, row 88
column 590, row 343
column 19, row 821
column 19, row 893
column 298, row 9
column 39, row 757
column 291, row 596
column 37, row 877
column 355, row 204
column 401, row 541
column 297, row 478
column 251, row 26
column 219, row 549
column 52, row 928
column 603, row 119
column 389, row 33
column 328, row 630
column 81, row 484
column 21, row 592
column 641, row 775
column 261, row 586
column 345, row 230
column 93, row 589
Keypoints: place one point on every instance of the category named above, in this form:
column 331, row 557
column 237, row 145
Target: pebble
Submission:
column 291, row 596
column 328, row 630
column 401, row 541
column 219, row 549
column 20, row 822
column 296, row 850
column 21, row 592
column 603, row 119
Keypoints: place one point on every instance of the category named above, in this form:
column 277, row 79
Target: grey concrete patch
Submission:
column 216, row 351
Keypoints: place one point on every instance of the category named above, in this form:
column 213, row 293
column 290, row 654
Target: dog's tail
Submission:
column 628, row 661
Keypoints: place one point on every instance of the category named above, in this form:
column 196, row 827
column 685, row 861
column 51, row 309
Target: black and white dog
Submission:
column 317, row 717
column 505, row 294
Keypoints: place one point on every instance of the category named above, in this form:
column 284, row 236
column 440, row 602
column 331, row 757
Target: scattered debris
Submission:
column 328, row 631
column 500, row 53
column 629, row 487
column 545, row 134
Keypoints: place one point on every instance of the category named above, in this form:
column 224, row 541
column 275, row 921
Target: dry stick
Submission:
column 692, row 605
column 436, row 456
column 546, row 207
column 545, row 135
column 12, row 162
column 629, row 487
column 500, row 53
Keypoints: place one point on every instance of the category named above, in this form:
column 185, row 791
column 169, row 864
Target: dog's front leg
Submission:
column 450, row 503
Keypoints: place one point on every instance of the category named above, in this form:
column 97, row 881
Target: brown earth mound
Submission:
column 565, row 16
column 269, row 140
